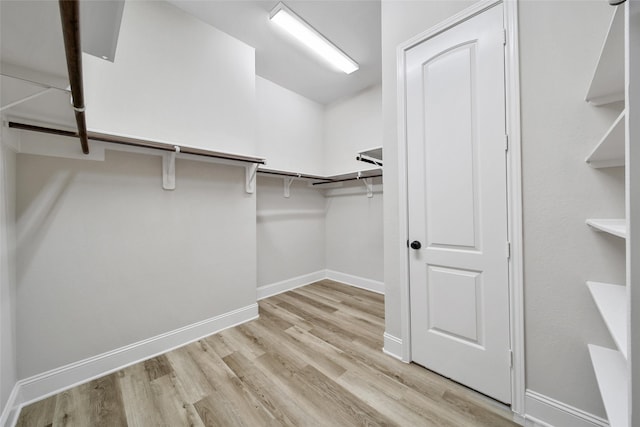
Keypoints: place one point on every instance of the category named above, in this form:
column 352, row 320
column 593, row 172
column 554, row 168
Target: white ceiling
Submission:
column 352, row 25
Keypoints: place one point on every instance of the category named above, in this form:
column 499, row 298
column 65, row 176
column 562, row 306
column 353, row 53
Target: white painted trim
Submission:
column 272, row 289
column 544, row 411
column 356, row 281
column 516, row 283
column 392, row 346
column 11, row 409
column 534, row 422
column 464, row 15
column 514, row 203
column 56, row 380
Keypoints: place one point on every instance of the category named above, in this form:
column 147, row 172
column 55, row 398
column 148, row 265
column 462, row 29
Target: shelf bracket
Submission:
column 287, row 185
column 250, row 178
column 169, row 170
column 368, row 184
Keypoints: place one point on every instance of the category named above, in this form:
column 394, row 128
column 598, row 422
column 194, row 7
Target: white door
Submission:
column 458, row 204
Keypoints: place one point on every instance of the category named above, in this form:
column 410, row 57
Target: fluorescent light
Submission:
column 305, row 33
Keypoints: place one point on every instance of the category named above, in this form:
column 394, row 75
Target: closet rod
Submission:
column 347, row 179
column 292, row 174
column 70, row 16
column 366, row 159
column 115, row 139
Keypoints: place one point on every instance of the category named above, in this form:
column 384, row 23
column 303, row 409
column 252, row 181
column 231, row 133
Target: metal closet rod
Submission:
column 355, row 178
column 123, row 140
column 293, row 174
column 366, row 159
column 70, row 17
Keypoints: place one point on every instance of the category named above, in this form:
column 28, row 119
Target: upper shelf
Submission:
column 610, row 150
column 373, row 173
column 372, row 155
column 611, row 301
column 141, row 143
column 288, row 174
column 617, row 227
column 607, row 83
column 351, row 176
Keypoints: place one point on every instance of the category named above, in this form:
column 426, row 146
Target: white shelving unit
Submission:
column 610, row 149
column 611, row 301
column 611, row 372
column 607, row 83
column 612, row 367
column 617, row 227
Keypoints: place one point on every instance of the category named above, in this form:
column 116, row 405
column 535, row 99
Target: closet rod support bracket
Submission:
column 288, row 180
column 250, row 177
column 287, row 186
column 169, row 171
column 368, row 184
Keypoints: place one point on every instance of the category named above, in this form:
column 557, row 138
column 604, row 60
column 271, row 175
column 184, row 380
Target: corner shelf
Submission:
column 611, row 372
column 617, row 227
column 611, row 301
column 607, row 83
column 372, row 155
column 610, row 150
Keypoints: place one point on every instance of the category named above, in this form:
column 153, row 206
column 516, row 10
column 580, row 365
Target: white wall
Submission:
column 354, row 221
column 291, row 231
column 174, row 79
column 305, row 233
column 8, row 362
column 107, row 258
column 355, row 232
column 290, row 129
column 560, row 42
column 352, row 125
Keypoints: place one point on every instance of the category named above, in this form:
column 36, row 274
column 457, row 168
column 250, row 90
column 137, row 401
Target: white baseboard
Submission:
column 11, row 409
column 272, row 289
column 358, row 282
column 543, row 411
column 52, row 382
column 392, row 346
column 289, row 284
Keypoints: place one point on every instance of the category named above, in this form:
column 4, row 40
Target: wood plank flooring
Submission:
column 313, row 358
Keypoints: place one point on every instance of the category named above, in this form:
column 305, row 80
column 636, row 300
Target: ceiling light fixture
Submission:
column 310, row 37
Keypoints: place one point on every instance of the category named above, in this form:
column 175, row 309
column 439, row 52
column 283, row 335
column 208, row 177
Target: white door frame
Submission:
column 514, row 187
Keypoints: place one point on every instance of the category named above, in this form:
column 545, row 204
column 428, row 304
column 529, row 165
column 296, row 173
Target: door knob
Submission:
column 416, row 245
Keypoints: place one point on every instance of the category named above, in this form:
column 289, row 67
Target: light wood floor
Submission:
column 313, row 358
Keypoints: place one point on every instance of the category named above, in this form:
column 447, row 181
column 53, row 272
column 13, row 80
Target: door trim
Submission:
column 514, row 187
